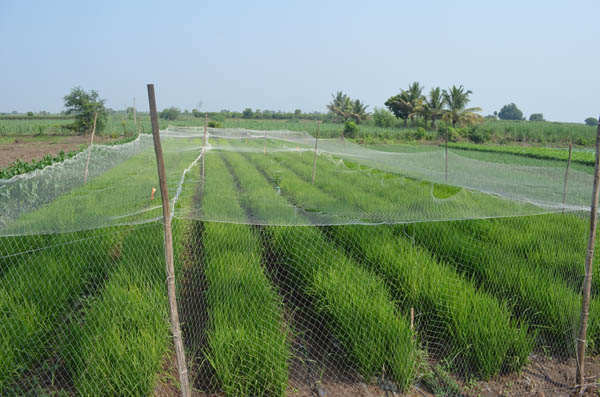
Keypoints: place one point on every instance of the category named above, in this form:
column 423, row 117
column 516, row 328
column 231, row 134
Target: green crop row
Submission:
column 246, row 337
column 478, row 329
column 545, row 301
column 37, row 291
column 586, row 158
column 356, row 304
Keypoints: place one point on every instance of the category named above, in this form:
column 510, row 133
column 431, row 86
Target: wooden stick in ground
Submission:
column 566, row 178
column 265, row 147
column 204, row 148
column 134, row 115
column 87, row 163
column 316, row 149
column 176, row 327
column 587, row 280
column 446, row 159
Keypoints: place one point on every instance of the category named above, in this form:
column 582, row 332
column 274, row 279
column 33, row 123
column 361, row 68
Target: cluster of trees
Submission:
column 345, row 109
column 449, row 105
column 591, row 121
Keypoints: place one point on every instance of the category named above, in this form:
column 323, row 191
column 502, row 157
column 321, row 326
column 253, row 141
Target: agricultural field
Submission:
column 294, row 273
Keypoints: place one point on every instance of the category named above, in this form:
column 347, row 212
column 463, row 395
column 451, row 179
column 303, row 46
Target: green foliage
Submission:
column 346, row 109
column 171, row 113
column 510, row 112
column 586, row 158
column 215, row 124
column 383, row 118
column 84, row 105
column 536, row 117
column 21, row 167
column 350, row 129
column 29, row 114
column 591, row 121
column 479, row 134
column 248, row 113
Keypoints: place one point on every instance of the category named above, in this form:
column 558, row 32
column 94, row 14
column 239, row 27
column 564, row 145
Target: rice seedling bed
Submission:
column 355, row 301
column 476, row 329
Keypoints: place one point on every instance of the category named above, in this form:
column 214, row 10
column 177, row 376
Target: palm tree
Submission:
column 407, row 104
column 359, row 111
column 456, row 99
column 433, row 108
column 341, row 105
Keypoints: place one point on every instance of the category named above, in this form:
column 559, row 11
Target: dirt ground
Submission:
column 542, row 377
column 28, row 148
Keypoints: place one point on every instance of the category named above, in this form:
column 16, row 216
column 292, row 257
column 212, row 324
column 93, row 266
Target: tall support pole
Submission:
column 587, row 280
column 176, row 327
column 446, row 159
column 204, row 148
column 265, row 146
column 564, row 200
column 134, row 115
column 316, row 149
column 87, row 162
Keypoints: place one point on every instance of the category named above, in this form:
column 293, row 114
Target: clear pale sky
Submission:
column 283, row 55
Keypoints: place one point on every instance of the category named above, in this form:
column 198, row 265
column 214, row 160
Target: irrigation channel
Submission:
column 364, row 277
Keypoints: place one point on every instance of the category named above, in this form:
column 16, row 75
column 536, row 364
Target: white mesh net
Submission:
column 352, row 271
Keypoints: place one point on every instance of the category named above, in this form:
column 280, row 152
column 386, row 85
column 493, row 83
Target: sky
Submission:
column 286, row 55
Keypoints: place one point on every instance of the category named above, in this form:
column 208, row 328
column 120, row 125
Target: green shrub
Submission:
column 350, row 129
column 215, row 124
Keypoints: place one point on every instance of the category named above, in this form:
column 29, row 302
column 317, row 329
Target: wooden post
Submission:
column 587, row 280
column 176, row 327
column 412, row 318
column 204, row 149
column 265, row 147
column 87, row 163
column 134, row 115
column 316, row 149
column 566, row 177
column 446, row 159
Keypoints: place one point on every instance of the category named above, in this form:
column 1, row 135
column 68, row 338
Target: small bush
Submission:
column 350, row 129
column 215, row 124
column 479, row 135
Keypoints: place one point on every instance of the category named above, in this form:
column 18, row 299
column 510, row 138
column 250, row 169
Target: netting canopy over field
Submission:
column 298, row 270
column 409, row 187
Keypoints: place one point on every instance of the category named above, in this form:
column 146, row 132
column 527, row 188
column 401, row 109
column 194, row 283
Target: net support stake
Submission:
column 446, row 158
column 587, row 280
column 134, row 115
column 564, row 200
column 170, row 269
column 316, row 149
column 204, row 149
column 87, row 162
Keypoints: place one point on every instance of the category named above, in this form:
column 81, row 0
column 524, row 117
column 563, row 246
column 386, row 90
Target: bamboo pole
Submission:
column 446, row 159
column 587, row 280
column 204, row 149
column 170, row 269
column 87, row 162
column 564, row 200
column 134, row 115
column 316, row 150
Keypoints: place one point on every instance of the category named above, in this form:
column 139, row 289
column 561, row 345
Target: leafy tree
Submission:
column 29, row 114
column 457, row 99
column 591, row 121
column 383, row 117
column 358, row 111
column 510, row 112
column 171, row 113
column 433, row 108
column 297, row 112
column 196, row 113
column 536, row 117
column 84, row 104
column 247, row 113
column 407, row 104
column 340, row 106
